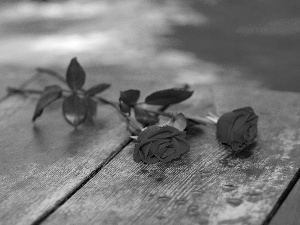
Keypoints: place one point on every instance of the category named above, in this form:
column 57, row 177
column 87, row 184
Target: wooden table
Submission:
column 52, row 174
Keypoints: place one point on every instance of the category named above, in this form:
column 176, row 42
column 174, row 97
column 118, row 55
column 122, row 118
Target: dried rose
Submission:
column 238, row 128
column 160, row 144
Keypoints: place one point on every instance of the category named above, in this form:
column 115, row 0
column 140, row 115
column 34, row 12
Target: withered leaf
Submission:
column 49, row 95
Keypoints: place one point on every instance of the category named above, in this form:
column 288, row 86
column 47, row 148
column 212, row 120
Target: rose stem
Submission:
column 197, row 120
column 137, row 127
column 113, row 104
column 29, row 91
column 61, row 78
column 51, row 73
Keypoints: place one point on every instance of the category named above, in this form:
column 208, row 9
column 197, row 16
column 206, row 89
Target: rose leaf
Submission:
column 168, row 96
column 74, row 110
column 91, row 108
column 129, row 97
column 97, row 89
column 49, row 95
column 124, row 108
column 75, row 75
column 145, row 117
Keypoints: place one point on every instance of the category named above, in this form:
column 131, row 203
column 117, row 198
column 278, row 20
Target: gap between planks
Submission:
column 45, row 215
column 270, row 218
column 259, row 178
column 88, row 177
column 53, row 207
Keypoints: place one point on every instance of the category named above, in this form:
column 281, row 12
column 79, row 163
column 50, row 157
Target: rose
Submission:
column 157, row 143
column 238, row 128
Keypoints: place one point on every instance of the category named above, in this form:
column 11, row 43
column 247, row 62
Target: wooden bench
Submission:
column 53, row 174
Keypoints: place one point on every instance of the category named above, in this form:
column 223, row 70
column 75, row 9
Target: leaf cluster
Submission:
column 80, row 104
column 128, row 102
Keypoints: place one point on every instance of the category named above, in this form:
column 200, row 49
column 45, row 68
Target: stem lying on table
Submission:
column 51, row 73
column 129, row 120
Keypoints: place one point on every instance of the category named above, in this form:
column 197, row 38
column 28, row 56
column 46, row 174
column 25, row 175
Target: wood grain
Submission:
column 209, row 185
column 42, row 164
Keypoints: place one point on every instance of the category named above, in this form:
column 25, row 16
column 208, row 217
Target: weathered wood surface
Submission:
column 13, row 75
column 42, row 164
column 288, row 213
column 206, row 186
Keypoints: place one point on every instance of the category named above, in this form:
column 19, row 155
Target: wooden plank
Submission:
column 288, row 212
column 11, row 75
column 206, row 186
column 42, row 164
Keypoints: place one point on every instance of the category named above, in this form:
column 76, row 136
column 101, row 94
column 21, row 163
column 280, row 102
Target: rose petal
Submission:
column 252, row 132
column 240, row 121
column 247, row 109
column 166, row 159
column 181, row 135
column 164, row 133
column 238, row 130
column 152, row 160
column 141, row 153
column 148, row 132
column 182, row 146
column 146, row 150
column 158, row 144
column 136, row 156
column 224, row 127
column 161, row 149
column 148, row 160
column 152, row 140
column 168, row 152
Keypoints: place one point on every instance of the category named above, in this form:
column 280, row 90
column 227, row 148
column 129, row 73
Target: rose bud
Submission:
column 157, row 143
column 238, row 128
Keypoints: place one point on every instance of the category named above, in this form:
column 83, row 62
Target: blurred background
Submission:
column 241, row 42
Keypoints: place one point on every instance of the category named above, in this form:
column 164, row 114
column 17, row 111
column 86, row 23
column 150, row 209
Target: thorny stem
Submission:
column 33, row 91
column 137, row 127
column 198, row 120
column 22, row 91
column 129, row 120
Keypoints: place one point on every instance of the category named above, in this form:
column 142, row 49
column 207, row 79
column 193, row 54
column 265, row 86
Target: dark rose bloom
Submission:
column 238, row 128
column 160, row 144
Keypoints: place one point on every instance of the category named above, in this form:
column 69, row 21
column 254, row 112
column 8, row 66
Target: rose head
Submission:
column 160, row 144
column 238, row 128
